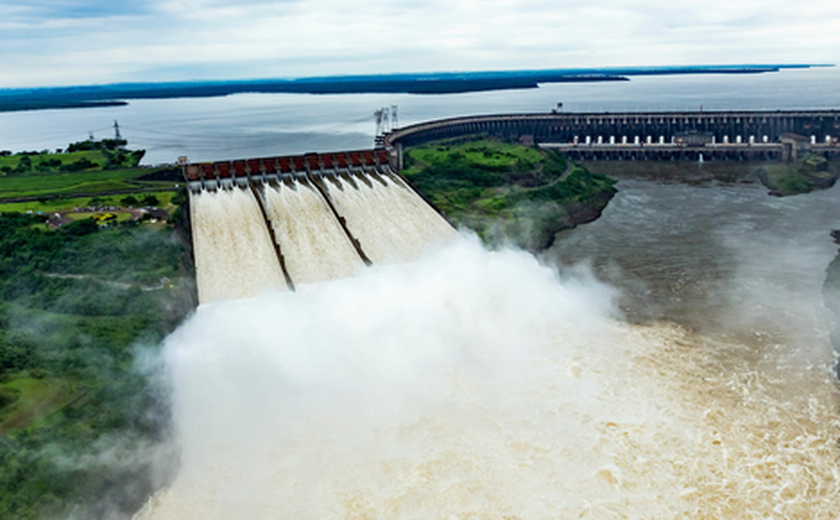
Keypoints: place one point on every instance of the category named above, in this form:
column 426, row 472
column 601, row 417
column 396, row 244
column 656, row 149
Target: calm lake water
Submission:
column 258, row 125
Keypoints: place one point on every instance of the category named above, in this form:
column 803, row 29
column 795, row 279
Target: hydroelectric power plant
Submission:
column 284, row 221
column 478, row 384
column 686, row 135
column 281, row 221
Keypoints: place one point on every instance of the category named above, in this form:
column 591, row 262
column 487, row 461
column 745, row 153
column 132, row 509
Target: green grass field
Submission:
column 484, row 153
column 74, row 183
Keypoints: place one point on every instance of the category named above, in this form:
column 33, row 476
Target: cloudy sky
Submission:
column 75, row 42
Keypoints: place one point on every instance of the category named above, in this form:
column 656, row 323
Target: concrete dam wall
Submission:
column 284, row 222
column 718, row 135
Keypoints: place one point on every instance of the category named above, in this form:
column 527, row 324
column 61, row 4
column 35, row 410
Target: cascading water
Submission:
column 474, row 384
column 312, row 241
column 392, row 223
column 234, row 255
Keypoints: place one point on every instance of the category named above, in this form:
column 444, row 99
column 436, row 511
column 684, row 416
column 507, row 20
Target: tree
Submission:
column 24, row 165
column 81, row 227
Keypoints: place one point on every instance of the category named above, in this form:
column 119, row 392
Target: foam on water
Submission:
column 234, row 256
column 391, row 222
column 474, row 384
column 312, row 241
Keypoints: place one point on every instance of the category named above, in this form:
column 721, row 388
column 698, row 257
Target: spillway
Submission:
column 314, row 245
column 276, row 223
column 234, row 256
column 391, row 222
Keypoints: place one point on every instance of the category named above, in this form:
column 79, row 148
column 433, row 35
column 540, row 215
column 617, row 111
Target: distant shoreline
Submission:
column 27, row 107
column 95, row 96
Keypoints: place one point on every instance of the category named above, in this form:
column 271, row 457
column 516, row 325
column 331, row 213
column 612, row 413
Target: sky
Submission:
column 82, row 42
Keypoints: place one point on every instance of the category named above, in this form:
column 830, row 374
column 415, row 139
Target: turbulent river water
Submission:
column 670, row 360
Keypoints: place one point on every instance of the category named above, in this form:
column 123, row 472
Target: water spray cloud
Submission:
column 479, row 383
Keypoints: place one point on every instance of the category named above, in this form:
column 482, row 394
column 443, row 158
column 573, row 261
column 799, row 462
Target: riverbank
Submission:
column 831, row 295
column 804, row 175
column 507, row 193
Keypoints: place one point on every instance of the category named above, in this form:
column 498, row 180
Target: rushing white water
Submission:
column 312, row 241
column 473, row 384
column 234, row 256
column 391, row 221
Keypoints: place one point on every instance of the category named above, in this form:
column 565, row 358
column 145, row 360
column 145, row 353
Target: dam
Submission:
column 687, row 135
column 281, row 222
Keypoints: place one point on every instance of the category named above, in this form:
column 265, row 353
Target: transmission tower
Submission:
column 395, row 120
column 378, row 114
column 386, row 120
column 117, row 135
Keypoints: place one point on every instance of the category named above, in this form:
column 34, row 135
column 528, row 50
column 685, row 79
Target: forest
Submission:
column 81, row 420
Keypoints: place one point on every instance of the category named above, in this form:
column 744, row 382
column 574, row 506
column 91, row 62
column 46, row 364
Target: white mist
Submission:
column 473, row 384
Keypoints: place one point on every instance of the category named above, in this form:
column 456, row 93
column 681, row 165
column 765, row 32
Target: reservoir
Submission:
column 266, row 125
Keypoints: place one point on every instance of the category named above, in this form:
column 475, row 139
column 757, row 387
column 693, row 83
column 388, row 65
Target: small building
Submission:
column 794, row 146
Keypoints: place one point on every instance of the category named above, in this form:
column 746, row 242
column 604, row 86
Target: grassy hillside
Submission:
column 77, row 418
column 507, row 192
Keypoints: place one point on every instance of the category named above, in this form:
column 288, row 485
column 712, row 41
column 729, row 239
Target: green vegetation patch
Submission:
column 812, row 172
column 65, row 185
column 488, row 155
column 107, row 154
column 75, row 305
column 16, row 165
column 64, row 205
column 34, row 399
column 507, row 192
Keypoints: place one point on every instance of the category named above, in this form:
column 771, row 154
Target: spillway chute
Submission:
column 234, row 254
column 308, row 218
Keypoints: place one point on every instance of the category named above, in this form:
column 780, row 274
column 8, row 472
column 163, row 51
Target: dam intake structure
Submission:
column 686, row 135
column 276, row 223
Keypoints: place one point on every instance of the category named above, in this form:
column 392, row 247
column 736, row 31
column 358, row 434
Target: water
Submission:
column 693, row 380
column 390, row 221
column 474, row 384
column 234, row 256
column 265, row 125
column 312, row 241
column 711, row 251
